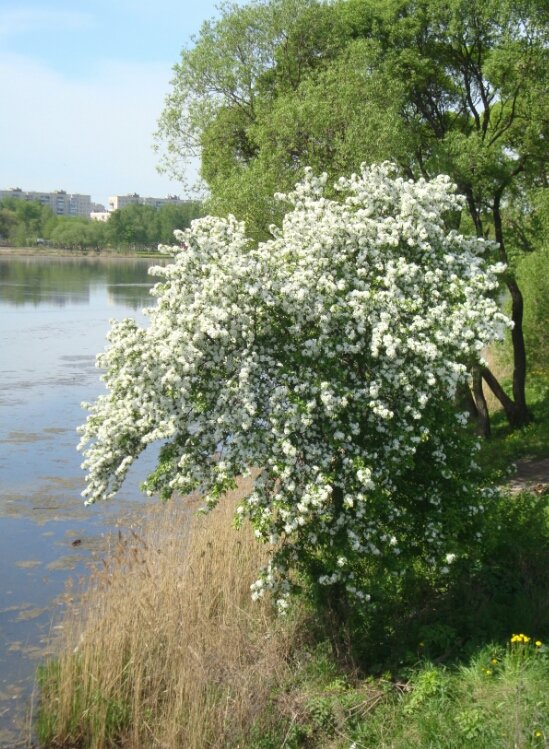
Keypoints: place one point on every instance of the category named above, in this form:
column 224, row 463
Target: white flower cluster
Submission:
column 326, row 357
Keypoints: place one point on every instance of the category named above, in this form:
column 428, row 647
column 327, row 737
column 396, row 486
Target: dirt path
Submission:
column 532, row 474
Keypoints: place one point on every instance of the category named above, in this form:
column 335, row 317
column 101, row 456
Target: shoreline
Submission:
column 51, row 252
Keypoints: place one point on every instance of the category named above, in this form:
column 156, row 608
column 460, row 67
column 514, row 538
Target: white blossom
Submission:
column 324, row 357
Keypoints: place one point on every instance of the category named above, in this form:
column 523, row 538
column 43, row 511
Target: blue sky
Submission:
column 82, row 85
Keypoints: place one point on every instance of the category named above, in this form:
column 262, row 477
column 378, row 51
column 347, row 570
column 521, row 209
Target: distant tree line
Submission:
column 27, row 223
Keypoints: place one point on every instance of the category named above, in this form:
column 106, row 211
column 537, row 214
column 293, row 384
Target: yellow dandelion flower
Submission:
column 538, row 643
column 494, row 661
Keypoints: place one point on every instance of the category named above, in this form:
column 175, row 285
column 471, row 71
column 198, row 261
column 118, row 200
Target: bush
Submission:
column 328, row 358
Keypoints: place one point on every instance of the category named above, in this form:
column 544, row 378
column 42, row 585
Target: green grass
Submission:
column 497, row 700
column 506, row 446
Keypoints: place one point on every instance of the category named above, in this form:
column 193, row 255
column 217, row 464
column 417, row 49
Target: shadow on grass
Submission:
column 504, row 590
column 507, row 446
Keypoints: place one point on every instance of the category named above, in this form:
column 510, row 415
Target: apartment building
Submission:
column 120, row 201
column 60, row 202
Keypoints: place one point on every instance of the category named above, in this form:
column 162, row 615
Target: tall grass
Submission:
column 165, row 648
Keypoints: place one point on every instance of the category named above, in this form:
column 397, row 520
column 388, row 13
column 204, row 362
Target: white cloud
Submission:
column 89, row 136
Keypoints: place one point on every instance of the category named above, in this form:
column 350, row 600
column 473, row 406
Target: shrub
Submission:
column 328, row 358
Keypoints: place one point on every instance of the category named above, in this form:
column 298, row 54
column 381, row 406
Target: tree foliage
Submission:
column 533, row 275
column 457, row 88
column 22, row 223
column 148, row 226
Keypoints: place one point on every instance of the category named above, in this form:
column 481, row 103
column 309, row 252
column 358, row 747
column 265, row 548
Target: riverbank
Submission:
column 53, row 252
column 453, row 665
column 165, row 648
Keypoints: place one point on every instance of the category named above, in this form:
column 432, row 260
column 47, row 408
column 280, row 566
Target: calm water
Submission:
column 54, row 314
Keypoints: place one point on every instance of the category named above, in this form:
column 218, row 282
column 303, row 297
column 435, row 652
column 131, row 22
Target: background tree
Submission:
column 458, row 88
column 173, row 216
column 7, row 221
column 22, row 222
column 79, row 233
column 147, row 226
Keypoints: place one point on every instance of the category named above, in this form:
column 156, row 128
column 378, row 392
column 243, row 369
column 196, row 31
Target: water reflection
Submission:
column 54, row 315
column 66, row 281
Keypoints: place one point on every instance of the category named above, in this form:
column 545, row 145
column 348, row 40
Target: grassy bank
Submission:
column 497, row 700
column 164, row 648
column 160, row 652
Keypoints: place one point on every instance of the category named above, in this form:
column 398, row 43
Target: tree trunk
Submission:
column 465, row 400
column 516, row 411
column 335, row 605
column 483, row 415
column 337, row 616
column 521, row 415
column 512, row 412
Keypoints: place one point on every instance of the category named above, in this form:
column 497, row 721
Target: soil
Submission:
column 531, row 474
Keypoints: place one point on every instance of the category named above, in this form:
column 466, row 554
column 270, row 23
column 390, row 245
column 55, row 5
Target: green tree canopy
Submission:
column 148, row 226
column 22, row 221
column 457, row 88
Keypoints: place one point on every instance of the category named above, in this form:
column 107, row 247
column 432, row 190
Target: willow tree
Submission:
column 458, row 88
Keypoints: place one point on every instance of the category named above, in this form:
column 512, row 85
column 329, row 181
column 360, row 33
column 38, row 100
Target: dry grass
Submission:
column 165, row 648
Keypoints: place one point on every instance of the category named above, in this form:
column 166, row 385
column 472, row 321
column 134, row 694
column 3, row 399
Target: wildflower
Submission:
column 538, row 643
column 494, row 661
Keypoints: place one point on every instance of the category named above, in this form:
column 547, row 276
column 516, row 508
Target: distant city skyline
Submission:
column 64, row 203
column 82, row 90
column 5, row 191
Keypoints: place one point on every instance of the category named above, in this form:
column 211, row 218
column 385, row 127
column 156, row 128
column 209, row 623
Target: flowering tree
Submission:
column 327, row 359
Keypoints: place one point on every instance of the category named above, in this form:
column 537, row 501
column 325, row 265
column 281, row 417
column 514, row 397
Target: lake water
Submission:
column 54, row 315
